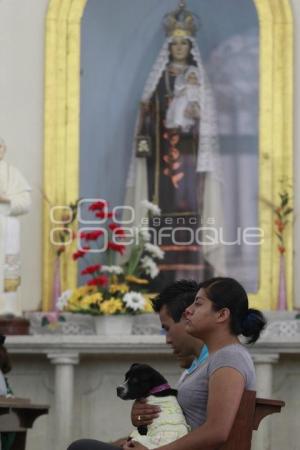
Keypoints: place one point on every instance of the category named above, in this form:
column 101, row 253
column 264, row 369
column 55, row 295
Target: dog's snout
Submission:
column 121, row 391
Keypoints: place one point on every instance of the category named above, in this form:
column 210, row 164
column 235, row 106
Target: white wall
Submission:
column 21, row 122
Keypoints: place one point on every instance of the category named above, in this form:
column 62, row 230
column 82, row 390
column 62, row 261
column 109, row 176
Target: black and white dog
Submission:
column 143, row 381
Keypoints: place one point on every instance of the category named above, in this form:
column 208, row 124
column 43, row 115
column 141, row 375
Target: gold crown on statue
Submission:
column 181, row 22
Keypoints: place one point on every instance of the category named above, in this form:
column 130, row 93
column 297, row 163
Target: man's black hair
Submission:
column 176, row 297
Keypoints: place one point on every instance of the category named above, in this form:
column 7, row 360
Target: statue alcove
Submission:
column 84, row 116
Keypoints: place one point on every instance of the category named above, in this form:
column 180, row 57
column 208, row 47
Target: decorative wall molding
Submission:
column 130, row 345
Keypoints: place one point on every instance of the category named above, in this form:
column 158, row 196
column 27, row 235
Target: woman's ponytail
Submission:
column 252, row 325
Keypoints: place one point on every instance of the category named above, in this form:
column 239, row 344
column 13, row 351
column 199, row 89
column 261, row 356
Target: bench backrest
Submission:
column 251, row 411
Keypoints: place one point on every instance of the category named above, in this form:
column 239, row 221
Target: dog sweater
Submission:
column 169, row 426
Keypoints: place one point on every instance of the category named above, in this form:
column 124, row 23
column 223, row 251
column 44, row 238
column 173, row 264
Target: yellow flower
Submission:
column 148, row 308
column 73, row 302
column 82, row 291
column 122, row 288
column 97, row 298
column 80, row 295
column 87, row 301
column 136, row 280
column 111, row 306
column 148, row 304
column 73, row 307
column 85, row 307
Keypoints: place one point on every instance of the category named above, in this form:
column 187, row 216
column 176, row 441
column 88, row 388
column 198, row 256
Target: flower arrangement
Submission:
column 112, row 288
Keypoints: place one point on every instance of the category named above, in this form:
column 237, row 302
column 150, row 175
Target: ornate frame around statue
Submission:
column 62, row 122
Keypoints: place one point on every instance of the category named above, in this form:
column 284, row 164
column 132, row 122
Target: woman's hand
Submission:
column 142, row 413
column 133, row 444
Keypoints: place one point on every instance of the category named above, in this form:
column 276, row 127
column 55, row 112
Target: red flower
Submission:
column 104, row 215
column 116, row 229
column 91, row 235
column 80, row 253
column 99, row 205
column 116, row 247
column 112, row 226
column 281, row 249
column 89, row 270
column 102, row 280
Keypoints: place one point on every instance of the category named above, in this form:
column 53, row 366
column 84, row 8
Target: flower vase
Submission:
column 282, row 296
column 56, row 288
column 114, row 325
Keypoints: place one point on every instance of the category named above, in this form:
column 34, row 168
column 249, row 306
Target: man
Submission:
column 170, row 304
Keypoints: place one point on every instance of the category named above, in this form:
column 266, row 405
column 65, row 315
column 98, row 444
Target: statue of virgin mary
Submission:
column 179, row 168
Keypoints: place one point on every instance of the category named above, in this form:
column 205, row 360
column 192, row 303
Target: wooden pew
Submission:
column 17, row 415
column 251, row 411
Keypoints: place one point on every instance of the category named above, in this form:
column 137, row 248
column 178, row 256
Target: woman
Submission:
column 219, row 314
column 180, row 170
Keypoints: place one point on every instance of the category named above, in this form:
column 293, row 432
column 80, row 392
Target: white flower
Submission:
column 62, row 301
column 154, row 250
column 135, row 301
column 112, row 269
column 144, row 233
column 152, row 207
column 150, row 266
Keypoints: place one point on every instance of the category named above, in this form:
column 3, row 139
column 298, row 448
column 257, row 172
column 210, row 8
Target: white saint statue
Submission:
column 15, row 200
